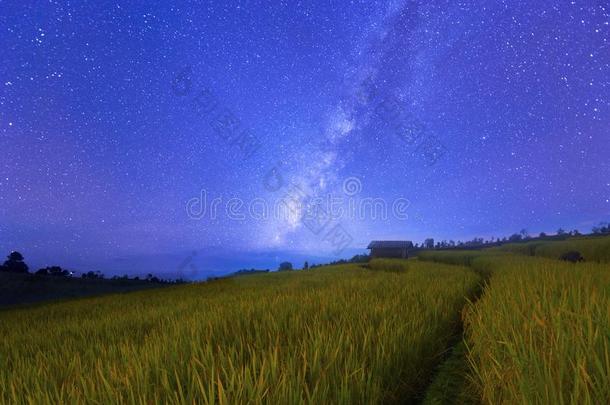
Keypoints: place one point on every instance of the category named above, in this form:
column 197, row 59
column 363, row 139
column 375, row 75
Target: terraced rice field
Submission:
column 340, row 334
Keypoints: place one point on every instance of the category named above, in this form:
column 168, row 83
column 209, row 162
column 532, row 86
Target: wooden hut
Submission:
column 390, row 248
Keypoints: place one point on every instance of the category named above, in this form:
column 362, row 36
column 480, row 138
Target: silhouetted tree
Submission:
column 58, row 271
column 152, row 279
column 15, row 263
column 53, row 271
column 602, row 228
column 561, row 231
column 93, row 275
column 360, row 259
column 429, row 243
column 515, row 237
column 306, row 266
column 542, row 235
column 475, row 242
column 284, row 266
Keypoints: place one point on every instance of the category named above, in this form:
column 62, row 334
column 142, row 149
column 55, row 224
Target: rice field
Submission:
column 593, row 249
column 529, row 329
column 340, row 334
column 390, row 265
column 540, row 332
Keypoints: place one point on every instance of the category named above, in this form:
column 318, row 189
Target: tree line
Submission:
column 15, row 263
column 429, row 243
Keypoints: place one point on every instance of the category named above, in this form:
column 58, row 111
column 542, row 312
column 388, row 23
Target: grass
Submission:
column 540, row 333
column 458, row 257
column 481, row 261
column 452, row 383
column 593, row 249
column 340, row 334
column 396, row 265
column 387, row 333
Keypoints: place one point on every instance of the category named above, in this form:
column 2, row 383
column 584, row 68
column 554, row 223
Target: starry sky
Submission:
column 120, row 122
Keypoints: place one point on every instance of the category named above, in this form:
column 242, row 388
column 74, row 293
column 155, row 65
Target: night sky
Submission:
column 116, row 119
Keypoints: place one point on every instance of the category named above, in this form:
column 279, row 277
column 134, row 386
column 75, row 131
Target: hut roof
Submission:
column 390, row 244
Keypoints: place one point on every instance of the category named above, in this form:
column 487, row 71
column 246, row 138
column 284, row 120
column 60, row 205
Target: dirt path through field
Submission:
column 450, row 382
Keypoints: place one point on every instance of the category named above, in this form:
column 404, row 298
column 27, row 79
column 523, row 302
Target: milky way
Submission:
column 116, row 120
